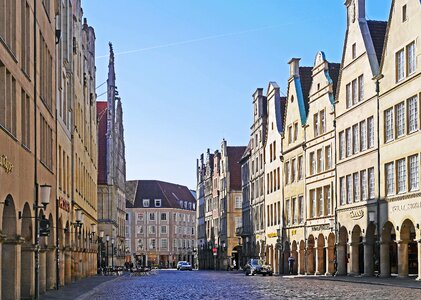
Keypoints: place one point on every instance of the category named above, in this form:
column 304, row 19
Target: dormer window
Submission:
column 157, row 202
column 145, row 202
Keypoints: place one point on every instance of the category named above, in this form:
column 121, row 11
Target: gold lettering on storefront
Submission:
column 356, row 214
column 6, row 164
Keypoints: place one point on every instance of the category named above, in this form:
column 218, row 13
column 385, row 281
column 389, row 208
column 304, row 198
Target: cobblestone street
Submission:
column 171, row 284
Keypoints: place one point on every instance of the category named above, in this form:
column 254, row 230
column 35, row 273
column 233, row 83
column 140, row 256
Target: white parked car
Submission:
column 185, row 266
column 179, row 264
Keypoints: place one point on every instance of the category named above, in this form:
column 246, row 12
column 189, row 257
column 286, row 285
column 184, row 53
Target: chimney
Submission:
column 294, row 65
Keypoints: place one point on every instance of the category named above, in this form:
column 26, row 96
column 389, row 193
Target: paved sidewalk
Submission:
column 79, row 289
column 409, row 282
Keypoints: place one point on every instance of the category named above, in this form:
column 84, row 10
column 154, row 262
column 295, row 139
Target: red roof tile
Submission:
column 234, row 157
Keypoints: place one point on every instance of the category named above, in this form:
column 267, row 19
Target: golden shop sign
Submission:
column 356, row 214
column 272, row 234
column 6, row 164
column 64, row 204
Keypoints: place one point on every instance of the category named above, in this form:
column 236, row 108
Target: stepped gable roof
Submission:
column 172, row 195
column 234, row 154
column 378, row 34
column 101, row 113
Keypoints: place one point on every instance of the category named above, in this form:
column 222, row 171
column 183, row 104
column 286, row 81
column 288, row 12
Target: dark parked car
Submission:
column 257, row 266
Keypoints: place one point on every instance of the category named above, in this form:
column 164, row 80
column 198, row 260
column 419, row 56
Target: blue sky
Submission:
column 187, row 68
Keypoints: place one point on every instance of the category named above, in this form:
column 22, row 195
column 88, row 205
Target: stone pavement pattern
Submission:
column 171, row 284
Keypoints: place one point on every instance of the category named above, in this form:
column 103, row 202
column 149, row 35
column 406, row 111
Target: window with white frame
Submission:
column 313, row 202
column 319, row 161
column 401, row 178
column 400, row 65
column 388, row 117
column 370, row 132
column 400, row 119
column 348, row 189
column 341, row 145
column 289, row 134
column 145, row 202
column 300, row 167
column 288, row 211
column 389, row 175
column 157, row 202
column 322, row 122
column 293, row 169
column 413, row 173
column 140, row 229
column 361, row 88
column 363, row 175
column 320, row 200
column 316, row 124
column 342, row 190
column 152, row 229
column 363, row 135
column 301, row 208
column 294, row 211
column 163, row 229
column 412, row 105
column 348, row 142
column 312, row 164
column 152, row 216
column 371, row 183
column 164, row 243
column 328, row 159
column 348, row 96
column 295, row 131
column 286, row 173
column 328, row 199
column 354, row 91
column 356, row 187
column 411, row 57
column 238, row 202
column 355, row 134
column 152, row 244
column 140, row 217
column 163, row 216
column 238, row 222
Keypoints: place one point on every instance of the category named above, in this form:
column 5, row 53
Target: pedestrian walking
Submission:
column 291, row 261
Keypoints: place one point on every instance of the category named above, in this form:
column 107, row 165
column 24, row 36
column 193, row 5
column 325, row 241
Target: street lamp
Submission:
column 45, row 191
column 107, row 238
column 112, row 252
column 100, row 237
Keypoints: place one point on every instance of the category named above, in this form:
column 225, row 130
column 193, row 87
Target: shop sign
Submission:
column 273, row 234
column 6, row 164
column 320, row 227
column 405, row 207
column 356, row 214
column 64, row 204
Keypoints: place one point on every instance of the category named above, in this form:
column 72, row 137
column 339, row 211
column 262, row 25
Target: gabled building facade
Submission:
column 320, row 175
column 357, row 142
column 273, row 174
column 293, row 154
column 399, row 115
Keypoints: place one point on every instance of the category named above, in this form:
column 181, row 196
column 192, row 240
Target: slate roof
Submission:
column 334, row 69
column 172, row 195
column 234, row 154
column 101, row 113
column 246, row 153
column 378, row 33
column 305, row 81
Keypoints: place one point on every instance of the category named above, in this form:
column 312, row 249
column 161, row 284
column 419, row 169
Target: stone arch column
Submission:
column 369, row 242
column 310, row 255
column 27, row 265
column 330, row 254
column 320, row 261
column 294, row 254
column 342, row 255
column 407, row 235
column 301, row 260
column 354, row 251
column 50, row 258
column 10, row 252
column 386, row 239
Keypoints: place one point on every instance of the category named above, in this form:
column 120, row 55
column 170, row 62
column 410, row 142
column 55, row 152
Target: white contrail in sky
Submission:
column 206, row 38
